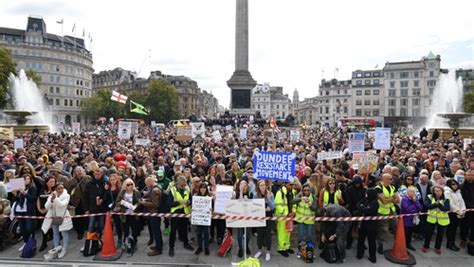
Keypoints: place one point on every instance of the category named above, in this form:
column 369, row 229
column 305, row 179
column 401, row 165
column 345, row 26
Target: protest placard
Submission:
column 216, row 135
column 243, row 133
column 142, row 141
column 294, row 135
column 273, row 165
column 6, row 133
column 184, row 133
column 134, row 127
column 223, row 194
column 329, row 155
column 364, row 162
column 124, row 130
column 268, row 133
column 17, row 184
column 153, row 124
column 76, row 127
column 228, row 127
column 282, row 136
column 245, row 207
column 18, row 143
column 382, row 138
column 198, row 130
column 201, row 211
column 466, row 143
column 216, row 127
column 356, row 142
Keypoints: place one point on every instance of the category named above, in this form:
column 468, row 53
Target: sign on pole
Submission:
column 382, row 138
column 124, row 130
column 356, row 142
column 329, row 155
column 201, row 211
column 273, row 165
column 245, row 207
column 467, row 142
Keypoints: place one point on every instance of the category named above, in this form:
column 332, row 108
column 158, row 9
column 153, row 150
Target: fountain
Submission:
column 446, row 107
column 28, row 111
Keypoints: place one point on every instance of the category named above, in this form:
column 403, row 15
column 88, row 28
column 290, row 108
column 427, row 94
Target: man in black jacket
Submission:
column 467, row 192
column 93, row 201
column 354, row 193
column 335, row 231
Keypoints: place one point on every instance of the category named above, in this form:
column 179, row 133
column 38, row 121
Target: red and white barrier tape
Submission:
column 225, row 217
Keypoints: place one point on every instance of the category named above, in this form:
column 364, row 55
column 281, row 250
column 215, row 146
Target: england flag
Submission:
column 116, row 96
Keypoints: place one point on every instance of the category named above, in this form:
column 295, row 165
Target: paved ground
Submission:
column 10, row 257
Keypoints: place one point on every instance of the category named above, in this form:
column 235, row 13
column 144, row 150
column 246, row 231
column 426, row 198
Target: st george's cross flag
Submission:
column 116, row 96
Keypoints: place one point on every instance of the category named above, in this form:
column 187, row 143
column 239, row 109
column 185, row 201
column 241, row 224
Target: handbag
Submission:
column 57, row 220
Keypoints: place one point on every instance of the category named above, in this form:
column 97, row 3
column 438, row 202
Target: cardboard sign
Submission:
column 243, row 133
column 273, row 165
column 184, row 133
column 124, row 130
column 365, row 162
column 382, row 138
column 294, row 135
column 356, row 142
column 223, row 194
column 245, row 207
column 198, row 130
column 18, row 143
column 201, row 211
column 330, row 155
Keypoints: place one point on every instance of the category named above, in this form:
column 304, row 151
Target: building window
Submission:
column 392, row 84
column 338, row 92
column 376, row 102
column 376, row 74
column 358, row 102
column 345, row 110
column 403, row 102
column 51, row 90
column 258, row 106
column 376, row 92
column 51, row 78
column 367, row 112
column 392, row 75
column 327, row 110
column 375, row 112
column 404, row 75
column 416, row 74
column 358, row 112
column 391, row 92
column 415, row 112
column 367, row 74
column 416, row 83
column 65, row 102
column 367, row 92
column 431, row 73
column 359, row 75
column 416, row 92
column 327, row 92
column 391, row 112
column 404, row 92
column 359, row 82
column 391, row 102
column 57, row 102
column 404, row 84
column 77, row 103
column 278, row 106
column 58, row 90
column 367, row 82
column 432, row 83
column 345, row 92
column 403, row 112
column 415, row 101
column 359, row 92
column 376, row 82
column 431, row 91
column 367, row 102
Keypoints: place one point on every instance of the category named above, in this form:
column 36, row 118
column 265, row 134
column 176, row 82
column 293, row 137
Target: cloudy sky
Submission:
column 291, row 41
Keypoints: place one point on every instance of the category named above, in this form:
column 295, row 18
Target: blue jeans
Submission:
column 92, row 224
column 155, row 223
column 305, row 232
column 26, row 227
column 57, row 237
column 202, row 236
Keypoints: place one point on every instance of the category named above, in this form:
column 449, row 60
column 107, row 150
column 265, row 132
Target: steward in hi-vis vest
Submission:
column 438, row 207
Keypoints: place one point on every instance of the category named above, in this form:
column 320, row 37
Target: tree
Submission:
column 161, row 100
column 34, row 76
column 7, row 66
column 100, row 105
column 468, row 101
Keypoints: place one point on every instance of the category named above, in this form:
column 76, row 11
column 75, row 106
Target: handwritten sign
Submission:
column 184, row 133
column 223, row 194
column 382, row 138
column 124, row 130
column 247, row 207
column 201, row 211
column 18, row 143
column 329, row 155
column 216, row 135
column 273, row 165
column 294, row 135
column 356, row 142
column 243, row 133
column 142, row 141
column 17, row 184
column 364, row 162
column 198, row 130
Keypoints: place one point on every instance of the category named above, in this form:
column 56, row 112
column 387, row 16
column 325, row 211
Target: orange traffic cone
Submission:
column 109, row 252
column 399, row 254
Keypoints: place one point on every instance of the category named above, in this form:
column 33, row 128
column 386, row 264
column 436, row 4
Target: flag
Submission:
column 74, row 27
column 376, row 66
column 274, row 126
column 83, row 33
column 138, row 108
column 60, row 21
column 116, row 96
column 337, row 69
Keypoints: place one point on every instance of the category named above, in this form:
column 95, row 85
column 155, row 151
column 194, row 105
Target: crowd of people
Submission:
column 90, row 173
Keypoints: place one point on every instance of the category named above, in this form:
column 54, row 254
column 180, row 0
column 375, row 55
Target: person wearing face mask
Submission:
column 457, row 208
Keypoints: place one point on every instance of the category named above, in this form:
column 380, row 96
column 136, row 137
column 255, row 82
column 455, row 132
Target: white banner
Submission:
column 198, row 130
column 201, row 211
column 330, row 155
column 223, row 194
column 382, row 138
column 245, row 207
column 124, row 130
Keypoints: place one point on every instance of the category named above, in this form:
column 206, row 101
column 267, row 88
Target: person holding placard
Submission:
column 264, row 234
column 25, row 206
column 306, row 206
column 126, row 202
column 201, row 230
column 242, row 192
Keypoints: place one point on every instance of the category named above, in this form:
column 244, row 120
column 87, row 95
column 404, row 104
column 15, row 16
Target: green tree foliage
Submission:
column 162, row 101
column 7, row 66
column 33, row 75
column 468, row 100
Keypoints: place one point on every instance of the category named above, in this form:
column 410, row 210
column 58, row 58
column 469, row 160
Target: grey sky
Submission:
column 291, row 42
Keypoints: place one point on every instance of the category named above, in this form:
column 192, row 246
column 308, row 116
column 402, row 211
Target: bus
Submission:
column 365, row 122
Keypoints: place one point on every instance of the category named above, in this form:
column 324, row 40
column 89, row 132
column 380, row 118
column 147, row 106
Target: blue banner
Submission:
column 277, row 166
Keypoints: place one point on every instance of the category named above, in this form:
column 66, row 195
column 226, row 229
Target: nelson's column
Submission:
column 241, row 83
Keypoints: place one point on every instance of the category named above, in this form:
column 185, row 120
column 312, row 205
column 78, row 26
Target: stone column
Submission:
column 242, row 35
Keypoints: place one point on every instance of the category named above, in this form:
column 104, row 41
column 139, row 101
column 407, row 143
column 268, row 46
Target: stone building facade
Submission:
column 270, row 101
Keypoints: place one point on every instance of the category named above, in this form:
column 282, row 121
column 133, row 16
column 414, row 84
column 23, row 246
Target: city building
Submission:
column 409, row 89
column 207, row 104
column 367, row 94
column 467, row 76
column 63, row 63
column 307, row 111
column 295, row 103
column 112, row 79
column 334, row 101
column 270, row 101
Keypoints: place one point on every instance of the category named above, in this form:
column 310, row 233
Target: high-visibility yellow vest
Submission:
column 281, row 203
column 303, row 209
column 385, row 209
column 337, row 195
column 436, row 215
column 177, row 197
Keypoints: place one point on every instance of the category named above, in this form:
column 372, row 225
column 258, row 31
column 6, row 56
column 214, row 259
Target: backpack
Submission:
column 226, row 244
column 92, row 245
column 309, row 252
column 29, row 250
column 329, row 253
